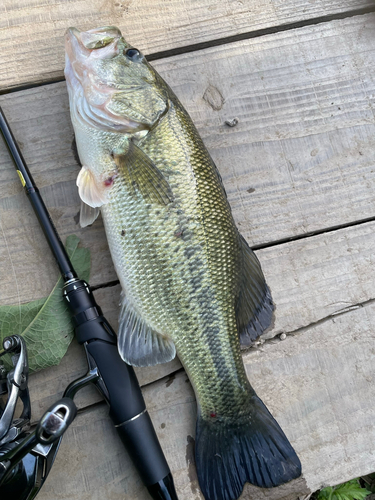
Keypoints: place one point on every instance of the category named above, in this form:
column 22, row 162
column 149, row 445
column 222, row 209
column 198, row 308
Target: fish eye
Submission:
column 133, row 54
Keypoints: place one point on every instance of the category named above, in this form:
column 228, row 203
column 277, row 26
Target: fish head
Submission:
column 111, row 85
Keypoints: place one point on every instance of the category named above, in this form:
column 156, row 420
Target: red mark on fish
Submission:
column 109, row 181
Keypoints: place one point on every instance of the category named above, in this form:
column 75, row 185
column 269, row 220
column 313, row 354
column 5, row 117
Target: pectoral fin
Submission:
column 88, row 215
column 141, row 174
column 90, row 189
column 254, row 306
column 138, row 343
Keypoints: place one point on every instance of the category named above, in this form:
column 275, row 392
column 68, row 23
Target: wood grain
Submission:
column 300, row 159
column 288, row 98
column 312, row 382
column 32, row 32
column 313, row 281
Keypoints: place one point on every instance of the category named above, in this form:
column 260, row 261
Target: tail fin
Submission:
column 253, row 450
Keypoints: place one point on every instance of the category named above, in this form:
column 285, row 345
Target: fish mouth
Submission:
column 83, row 47
column 89, row 92
column 79, row 44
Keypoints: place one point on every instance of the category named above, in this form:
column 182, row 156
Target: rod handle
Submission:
column 118, row 383
column 139, row 438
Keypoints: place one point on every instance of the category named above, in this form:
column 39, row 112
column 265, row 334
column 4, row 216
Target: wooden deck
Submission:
column 299, row 172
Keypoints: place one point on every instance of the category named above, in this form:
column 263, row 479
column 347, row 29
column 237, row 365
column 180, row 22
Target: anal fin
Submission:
column 138, row 343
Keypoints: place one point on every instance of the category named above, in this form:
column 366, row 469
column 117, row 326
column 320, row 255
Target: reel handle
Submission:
column 55, row 421
column 50, row 428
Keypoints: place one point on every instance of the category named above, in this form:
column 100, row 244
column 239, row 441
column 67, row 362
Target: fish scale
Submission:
column 161, row 305
column 190, row 282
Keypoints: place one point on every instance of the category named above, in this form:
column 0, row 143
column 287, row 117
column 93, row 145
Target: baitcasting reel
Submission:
column 26, row 456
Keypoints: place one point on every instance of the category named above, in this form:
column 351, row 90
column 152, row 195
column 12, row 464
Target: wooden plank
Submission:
column 312, row 281
column 319, row 277
column 319, row 385
column 32, row 33
column 295, row 163
column 40, row 117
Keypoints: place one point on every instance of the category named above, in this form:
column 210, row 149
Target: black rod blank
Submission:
column 58, row 250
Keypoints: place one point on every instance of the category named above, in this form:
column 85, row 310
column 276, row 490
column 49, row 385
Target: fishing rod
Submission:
column 114, row 379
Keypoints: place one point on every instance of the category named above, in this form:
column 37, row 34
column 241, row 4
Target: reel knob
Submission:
column 12, row 344
column 25, row 463
column 55, row 421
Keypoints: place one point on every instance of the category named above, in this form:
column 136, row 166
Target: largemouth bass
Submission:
column 191, row 284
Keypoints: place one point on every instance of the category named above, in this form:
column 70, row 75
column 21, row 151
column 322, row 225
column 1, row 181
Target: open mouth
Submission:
column 87, row 43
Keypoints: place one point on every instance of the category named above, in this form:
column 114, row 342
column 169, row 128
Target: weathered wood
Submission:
column 340, row 271
column 312, row 281
column 312, row 382
column 299, row 160
column 320, row 277
column 32, row 34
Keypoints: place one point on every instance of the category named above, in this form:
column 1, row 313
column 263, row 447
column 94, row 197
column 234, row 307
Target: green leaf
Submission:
column 348, row 491
column 324, row 493
column 45, row 324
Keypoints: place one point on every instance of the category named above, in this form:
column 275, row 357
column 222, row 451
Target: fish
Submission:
column 191, row 285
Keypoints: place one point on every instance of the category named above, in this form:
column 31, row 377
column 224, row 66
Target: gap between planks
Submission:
column 219, row 41
column 317, row 251
column 272, row 30
column 270, row 244
column 310, row 299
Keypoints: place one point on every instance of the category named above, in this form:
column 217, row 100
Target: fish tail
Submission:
column 251, row 449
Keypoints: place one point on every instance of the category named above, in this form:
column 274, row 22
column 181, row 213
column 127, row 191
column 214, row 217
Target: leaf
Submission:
column 45, row 324
column 324, row 494
column 346, row 491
